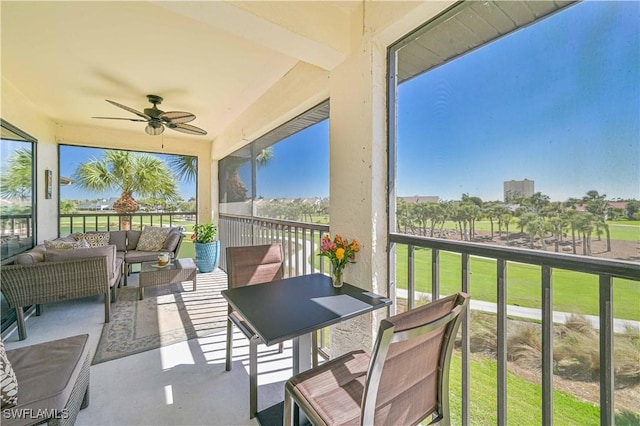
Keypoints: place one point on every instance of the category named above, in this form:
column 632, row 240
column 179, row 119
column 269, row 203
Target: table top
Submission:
column 152, row 266
column 281, row 310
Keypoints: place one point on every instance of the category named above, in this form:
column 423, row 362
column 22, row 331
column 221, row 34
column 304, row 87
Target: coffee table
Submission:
column 176, row 271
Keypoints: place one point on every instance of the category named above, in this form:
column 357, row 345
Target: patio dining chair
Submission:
column 403, row 382
column 249, row 265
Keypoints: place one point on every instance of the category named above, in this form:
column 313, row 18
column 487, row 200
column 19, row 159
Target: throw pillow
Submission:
column 59, row 244
column 95, row 239
column 9, row 381
column 152, row 238
column 172, row 240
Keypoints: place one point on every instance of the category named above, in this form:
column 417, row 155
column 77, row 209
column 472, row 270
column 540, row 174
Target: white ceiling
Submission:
column 212, row 58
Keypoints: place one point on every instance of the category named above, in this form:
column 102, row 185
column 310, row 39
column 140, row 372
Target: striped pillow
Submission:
column 9, row 380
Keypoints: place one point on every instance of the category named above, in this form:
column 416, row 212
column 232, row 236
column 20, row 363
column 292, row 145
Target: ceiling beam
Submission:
column 301, row 34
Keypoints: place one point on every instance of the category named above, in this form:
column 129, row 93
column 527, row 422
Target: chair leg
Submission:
column 253, row 376
column 85, row 400
column 22, row 329
column 229, row 345
column 288, row 413
column 107, row 306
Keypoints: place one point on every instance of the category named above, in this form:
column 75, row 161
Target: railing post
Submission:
column 502, row 341
column 547, row 346
column 466, row 345
column 411, row 277
column 607, row 414
column 435, row 274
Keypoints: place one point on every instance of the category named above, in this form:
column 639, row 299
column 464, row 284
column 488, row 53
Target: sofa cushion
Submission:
column 132, row 239
column 137, row 256
column 118, row 239
column 47, row 373
column 95, row 239
column 66, row 245
column 152, row 238
column 172, row 240
column 36, row 255
column 8, row 380
column 109, row 251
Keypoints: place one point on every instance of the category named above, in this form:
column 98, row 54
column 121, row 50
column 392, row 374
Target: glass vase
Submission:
column 338, row 277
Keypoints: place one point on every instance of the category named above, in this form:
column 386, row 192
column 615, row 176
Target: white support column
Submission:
column 358, row 180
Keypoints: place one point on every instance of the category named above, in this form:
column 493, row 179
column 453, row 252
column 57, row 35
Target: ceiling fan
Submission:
column 157, row 119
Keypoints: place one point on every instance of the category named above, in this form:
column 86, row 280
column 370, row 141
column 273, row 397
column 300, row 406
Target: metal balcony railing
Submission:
column 301, row 240
column 605, row 269
column 84, row 222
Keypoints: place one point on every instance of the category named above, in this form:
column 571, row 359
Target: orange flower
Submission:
column 340, row 253
column 355, row 246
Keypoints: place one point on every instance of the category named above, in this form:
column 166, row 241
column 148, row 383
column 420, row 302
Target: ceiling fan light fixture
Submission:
column 154, row 128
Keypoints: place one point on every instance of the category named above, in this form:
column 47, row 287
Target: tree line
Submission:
column 537, row 216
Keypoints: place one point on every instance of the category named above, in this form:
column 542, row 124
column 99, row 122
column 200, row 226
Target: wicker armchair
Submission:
column 403, row 382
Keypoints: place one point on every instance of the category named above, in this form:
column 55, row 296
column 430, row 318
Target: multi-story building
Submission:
column 518, row 188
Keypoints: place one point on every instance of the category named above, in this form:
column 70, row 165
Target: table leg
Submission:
column 194, row 283
column 140, row 293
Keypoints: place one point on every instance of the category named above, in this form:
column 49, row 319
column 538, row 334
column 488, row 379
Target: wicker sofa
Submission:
column 45, row 275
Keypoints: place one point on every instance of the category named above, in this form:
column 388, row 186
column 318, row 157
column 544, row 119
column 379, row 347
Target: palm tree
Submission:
column 16, row 181
column 597, row 205
column 130, row 173
column 185, row 167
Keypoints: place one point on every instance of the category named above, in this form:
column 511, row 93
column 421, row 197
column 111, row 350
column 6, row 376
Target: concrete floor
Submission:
column 181, row 384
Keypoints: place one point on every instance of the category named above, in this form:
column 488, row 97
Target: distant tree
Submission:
column 585, row 225
column 505, row 219
column 633, row 210
column 557, row 225
column 598, row 206
column 68, row 207
column 572, row 217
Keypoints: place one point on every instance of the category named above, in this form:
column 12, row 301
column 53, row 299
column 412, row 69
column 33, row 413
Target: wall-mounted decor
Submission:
column 48, row 184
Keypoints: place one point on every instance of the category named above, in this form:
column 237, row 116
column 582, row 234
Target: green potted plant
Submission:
column 207, row 246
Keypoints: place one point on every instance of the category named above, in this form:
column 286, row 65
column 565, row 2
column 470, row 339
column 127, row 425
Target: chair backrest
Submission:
column 249, row 265
column 408, row 376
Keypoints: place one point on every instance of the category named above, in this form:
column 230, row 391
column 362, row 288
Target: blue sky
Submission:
column 557, row 102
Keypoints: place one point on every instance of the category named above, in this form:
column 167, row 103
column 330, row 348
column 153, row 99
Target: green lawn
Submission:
column 572, row 291
column 524, row 399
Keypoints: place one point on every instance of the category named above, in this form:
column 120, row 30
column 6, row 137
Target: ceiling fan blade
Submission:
column 186, row 128
column 177, row 117
column 118, row 118
column 131, row 110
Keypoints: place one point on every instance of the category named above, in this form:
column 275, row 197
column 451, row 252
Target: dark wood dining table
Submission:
column 294, row 308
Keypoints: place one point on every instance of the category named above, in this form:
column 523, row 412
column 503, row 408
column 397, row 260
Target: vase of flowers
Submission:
column 207, row 247
column 340, row 252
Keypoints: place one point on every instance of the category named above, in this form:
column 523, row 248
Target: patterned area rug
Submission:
column 168, row 314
